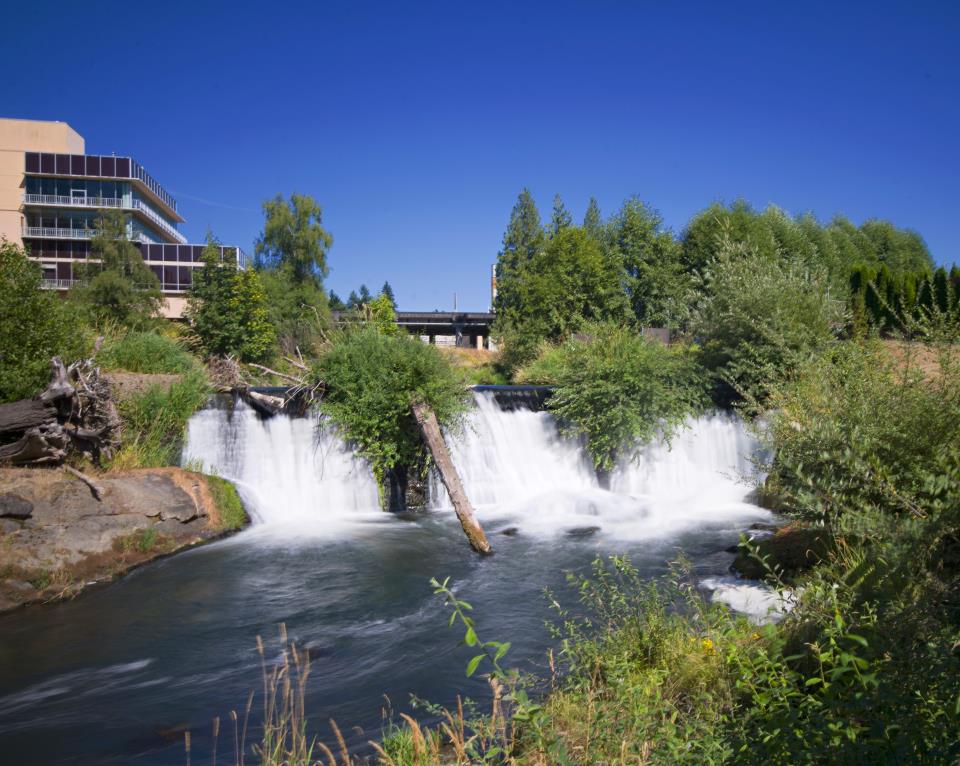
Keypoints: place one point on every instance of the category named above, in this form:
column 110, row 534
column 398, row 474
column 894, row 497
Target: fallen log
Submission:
column 433, row 437
column 74, row 412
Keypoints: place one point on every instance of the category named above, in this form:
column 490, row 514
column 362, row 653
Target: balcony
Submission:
column 42, row 232
column 106, row 203
column 82, row 202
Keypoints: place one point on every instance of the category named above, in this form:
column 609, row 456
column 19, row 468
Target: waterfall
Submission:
column 516, row 467
column 288, row 472
column 519, row 471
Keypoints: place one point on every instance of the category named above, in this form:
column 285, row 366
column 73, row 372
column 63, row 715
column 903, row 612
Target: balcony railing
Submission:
column 44, row 232
column 53, row 199
column 166, row 227
column 106, row 202
column 59, row 284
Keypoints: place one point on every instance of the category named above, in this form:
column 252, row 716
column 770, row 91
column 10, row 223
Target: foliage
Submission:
column 228, row 503
column 117, row 286
column 228, row 310
column 144, row 352
column 618, row 389
column 297, row 310
column 759, row 319
column 293, row 238
column 371, row 379
column 550, row 287
column 657, row 284
column 154, row 422
column 890, row 304
column 35, row 325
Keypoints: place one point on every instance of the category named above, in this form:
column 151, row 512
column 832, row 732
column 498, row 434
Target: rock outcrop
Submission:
column 56, row 536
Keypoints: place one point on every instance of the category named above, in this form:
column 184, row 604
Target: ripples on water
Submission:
column 114, row 676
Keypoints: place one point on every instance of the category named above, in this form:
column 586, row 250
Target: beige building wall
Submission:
column 17, row 137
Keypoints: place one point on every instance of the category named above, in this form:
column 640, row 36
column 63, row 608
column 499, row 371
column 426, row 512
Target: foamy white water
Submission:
column 518, row 471
column 289, row 473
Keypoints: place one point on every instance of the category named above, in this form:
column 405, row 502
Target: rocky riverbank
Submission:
column 57, row 537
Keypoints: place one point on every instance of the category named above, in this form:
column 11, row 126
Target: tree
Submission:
column 291, row 257
column 365, row 296
column 228, row 309
column 592, row 220
column 522, row 240
column 559, row 218
column 293, row 237
column 387, row 291
column 336, row 302
column 571, row 280
column 353, row 300
column 657, row 285
column 708, row 230
column 116, row 285
column 759, row 320
column 35, row 325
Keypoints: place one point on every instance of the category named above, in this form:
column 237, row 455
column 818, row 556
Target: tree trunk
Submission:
column 451, row 480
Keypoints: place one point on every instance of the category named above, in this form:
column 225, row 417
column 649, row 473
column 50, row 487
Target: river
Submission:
column 117, row 674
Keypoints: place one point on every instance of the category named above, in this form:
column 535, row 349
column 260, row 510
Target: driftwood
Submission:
column 95, row 488
column 433, row 437
column 75, row 413
column 296, row 381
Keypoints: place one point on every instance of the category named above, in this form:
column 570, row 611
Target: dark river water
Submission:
column 114, row 676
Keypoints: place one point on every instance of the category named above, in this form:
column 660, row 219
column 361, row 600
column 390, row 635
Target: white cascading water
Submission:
column 516, row 468
column 288, row 473
column 518, row 471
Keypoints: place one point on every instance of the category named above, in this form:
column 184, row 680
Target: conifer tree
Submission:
column 592, row 220
column 387, row 292
column 560, row 218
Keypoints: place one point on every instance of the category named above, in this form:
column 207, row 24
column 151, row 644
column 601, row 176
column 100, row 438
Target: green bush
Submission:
column 154, row 422
column 35, row 325
column 145, row 352
column 618, row 389
column 371, row 380
column 760, row 319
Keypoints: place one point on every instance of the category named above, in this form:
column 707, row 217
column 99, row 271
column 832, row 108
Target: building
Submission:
column 52, row 193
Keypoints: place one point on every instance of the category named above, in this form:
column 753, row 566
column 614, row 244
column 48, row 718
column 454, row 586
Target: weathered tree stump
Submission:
column 74, row 412
column 433, row 437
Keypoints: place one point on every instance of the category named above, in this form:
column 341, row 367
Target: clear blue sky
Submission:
column 416, row 124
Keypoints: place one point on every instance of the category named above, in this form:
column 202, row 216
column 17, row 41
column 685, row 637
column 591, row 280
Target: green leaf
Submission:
column 474, row 662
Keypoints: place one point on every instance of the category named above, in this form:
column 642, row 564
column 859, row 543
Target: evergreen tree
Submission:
column 387, row 292
column 559, row 218
column 364, row 295
column 336, row 302
column 228, row 309
column 593, row 221
column 522, row 240
column 656, row 284
column 942, row 291
column 353, row 300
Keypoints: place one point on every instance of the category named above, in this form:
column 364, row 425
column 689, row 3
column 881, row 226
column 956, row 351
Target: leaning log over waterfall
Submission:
column 451, row 480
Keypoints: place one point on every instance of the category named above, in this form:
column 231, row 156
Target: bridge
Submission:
column 465, row 329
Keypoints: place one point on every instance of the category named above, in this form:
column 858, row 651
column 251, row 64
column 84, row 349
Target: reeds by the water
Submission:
column 286, row 741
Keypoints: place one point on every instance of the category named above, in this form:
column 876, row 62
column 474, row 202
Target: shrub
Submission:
column 760, row 319
column 371, row 379
column 145, row 352
column 618, row 388
column 35, row 325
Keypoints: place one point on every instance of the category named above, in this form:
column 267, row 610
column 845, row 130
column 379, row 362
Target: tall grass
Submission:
column 154, row 422
column 144, row 352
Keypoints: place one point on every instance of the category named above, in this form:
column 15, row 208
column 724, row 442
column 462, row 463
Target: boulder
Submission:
column 793, row 549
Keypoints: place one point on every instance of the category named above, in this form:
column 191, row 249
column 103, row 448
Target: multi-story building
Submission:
column 52, row 194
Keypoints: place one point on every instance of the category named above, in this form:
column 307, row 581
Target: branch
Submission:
column 95, row 488
column 298, row 381
column 298, row 365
